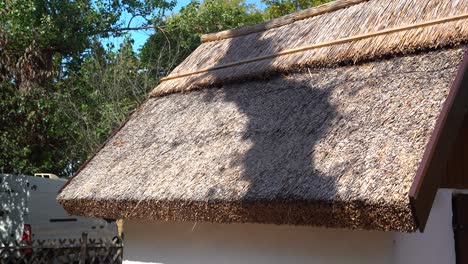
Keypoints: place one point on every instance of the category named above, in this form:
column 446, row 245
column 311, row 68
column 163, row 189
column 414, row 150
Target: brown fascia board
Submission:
column 428, row 177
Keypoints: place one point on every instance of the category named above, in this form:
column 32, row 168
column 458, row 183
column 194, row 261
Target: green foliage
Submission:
column 33, row 134
column 179, row 34
column 277, row 8
column 44, row 131
column 46, row 39
column 108, row 88
column 61, row 93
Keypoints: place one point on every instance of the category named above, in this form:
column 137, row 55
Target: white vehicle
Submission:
column 29, row 211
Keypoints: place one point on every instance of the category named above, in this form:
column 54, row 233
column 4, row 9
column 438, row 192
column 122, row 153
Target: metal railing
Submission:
column 76, row 251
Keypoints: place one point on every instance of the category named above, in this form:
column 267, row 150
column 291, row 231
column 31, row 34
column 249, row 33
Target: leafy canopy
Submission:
column 276, row 8
column 180, row 33
column 45, row 39
column 46, row 49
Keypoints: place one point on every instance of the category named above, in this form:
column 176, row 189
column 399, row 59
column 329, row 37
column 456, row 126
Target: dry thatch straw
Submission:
column 358, row 19
column 330, row 147
column 281, row 21
column 318, row 142
column 319, row 45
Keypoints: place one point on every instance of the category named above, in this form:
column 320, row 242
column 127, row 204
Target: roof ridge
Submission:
column 281, row 21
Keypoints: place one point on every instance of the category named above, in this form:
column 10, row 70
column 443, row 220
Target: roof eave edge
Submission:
column 428, row 177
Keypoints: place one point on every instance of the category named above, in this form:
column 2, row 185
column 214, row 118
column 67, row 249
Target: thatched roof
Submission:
column 347, row 26
column 302, row 138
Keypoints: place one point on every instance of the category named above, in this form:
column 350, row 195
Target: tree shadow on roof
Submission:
column 287, row 117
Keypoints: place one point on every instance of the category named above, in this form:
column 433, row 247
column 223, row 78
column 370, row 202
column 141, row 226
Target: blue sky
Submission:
column 141, row 36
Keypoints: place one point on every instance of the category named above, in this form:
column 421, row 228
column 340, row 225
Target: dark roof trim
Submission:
column 456, row 173
column 428, row 176
column 460, row 226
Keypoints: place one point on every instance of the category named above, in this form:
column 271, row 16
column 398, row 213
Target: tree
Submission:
column 33, row 133
column 179, row 34
column 46, row 49
column 277, row 8
column 44, row 39
column 109, row 86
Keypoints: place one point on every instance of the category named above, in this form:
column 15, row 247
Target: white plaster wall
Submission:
column 436, row 245
column 206, row 243
column 203, row 243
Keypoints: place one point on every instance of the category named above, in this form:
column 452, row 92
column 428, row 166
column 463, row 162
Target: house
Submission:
column 338, row 134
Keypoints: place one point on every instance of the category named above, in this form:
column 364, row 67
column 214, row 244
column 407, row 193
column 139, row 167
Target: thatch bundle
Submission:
column 335, row 146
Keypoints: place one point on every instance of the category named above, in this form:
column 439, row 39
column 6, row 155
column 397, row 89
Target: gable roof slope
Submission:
column 318, row 121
